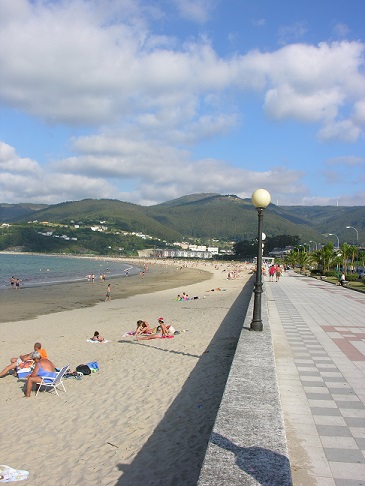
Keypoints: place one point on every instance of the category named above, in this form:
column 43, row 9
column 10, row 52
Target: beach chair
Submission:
column 54, row 383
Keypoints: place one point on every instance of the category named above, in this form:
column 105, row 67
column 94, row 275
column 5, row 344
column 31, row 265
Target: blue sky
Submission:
column 147, row 101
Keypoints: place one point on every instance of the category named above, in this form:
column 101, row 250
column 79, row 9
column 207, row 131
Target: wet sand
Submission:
column 31, row 302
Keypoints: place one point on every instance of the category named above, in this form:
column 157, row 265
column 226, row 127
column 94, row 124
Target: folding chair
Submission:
column 53, row 383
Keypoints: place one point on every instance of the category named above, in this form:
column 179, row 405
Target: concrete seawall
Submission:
column 248, row 444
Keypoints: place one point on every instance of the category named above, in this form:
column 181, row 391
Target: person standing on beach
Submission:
column 108, row 293
column 17, row 284
column 12, row 282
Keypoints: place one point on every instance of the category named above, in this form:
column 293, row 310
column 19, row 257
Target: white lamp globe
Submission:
column 261, row 198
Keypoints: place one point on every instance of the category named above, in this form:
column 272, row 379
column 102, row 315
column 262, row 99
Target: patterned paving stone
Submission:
column 315, row 316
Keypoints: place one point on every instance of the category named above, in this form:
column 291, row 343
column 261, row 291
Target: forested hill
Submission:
column 205, row 216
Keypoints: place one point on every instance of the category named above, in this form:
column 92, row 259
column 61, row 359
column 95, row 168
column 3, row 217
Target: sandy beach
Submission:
column 146, row 416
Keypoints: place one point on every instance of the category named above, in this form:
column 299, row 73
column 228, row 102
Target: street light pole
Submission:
column 311, row 241
column 357, row 233
column 260, row 199
column 338, row 239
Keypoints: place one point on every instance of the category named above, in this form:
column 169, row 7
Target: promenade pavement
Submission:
column 318, row 331
column 293, row 409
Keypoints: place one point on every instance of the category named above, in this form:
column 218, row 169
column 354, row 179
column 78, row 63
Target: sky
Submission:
column 147, row 101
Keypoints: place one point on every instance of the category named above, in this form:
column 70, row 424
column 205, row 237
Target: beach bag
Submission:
column 94, row 366
column 84, row 369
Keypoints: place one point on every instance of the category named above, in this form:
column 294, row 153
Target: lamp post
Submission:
column 260, row 199
column 311, row 241
column 338, row 239
column 357, row 233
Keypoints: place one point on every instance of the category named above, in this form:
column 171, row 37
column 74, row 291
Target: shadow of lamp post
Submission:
column 260, row 199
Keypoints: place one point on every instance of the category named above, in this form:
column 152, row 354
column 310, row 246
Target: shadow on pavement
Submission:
column 265, row 466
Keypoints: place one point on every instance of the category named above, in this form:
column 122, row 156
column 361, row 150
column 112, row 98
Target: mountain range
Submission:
column 205, row 216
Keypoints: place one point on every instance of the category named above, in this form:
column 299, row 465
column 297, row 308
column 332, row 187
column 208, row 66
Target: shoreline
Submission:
column 30, row 302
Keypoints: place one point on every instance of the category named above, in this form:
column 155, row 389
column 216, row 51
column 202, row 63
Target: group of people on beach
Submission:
column 39, row 366
column 38, row 362
column 15, row 283
column 145, row 331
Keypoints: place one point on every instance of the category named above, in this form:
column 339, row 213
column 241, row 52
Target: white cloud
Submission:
column 150, row 98
column 344, row 131
column 152, row 174
column 284, row 102
column 261, row 22
column 339, row 200
column 359, row 113
column 341, row 30
column 292, row 33
column 195, row 10
column 346, row 160
column 69, row 63
column 10, row 162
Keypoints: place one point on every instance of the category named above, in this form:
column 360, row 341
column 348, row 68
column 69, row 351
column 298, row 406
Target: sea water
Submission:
column 39, row 270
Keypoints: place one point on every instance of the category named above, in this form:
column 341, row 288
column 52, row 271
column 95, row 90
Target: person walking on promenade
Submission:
column 272, row 272
column 278, row 272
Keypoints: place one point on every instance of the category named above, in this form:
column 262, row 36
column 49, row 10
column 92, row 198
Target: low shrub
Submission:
column 315, row 271
column 330, row 273
column 352, row 277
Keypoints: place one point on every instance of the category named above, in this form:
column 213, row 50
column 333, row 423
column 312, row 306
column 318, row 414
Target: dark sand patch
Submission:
column 28, row 303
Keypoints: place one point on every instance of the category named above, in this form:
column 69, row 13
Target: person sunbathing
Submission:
column 159, row 332
column 143, row 328
column 97, row 337
column 162, row 327
column 44, row 368
column 15, row 362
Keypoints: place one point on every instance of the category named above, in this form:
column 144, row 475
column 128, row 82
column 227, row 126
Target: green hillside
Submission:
column 332, row 219
column 226, row 217
column 202, row 216
column 10, row 212
column 121, row 215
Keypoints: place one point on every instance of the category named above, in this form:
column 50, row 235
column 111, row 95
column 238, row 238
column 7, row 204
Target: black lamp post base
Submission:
column 256, row 326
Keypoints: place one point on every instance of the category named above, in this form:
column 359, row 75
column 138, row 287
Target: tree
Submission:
column 245, row 249
column 324, row 257
column 303, row 259
column 345, row 253
column 280, row 241
column 291, row 259
column 354, row 252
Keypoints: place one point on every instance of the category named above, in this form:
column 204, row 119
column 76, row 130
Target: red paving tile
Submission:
column 351, row 352
column 328, row 328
